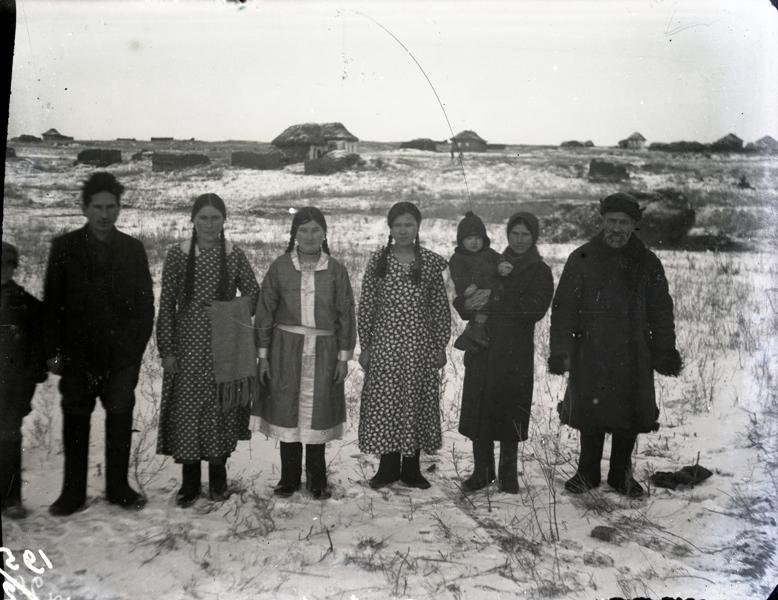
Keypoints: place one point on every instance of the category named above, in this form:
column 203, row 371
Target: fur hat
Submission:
column 471, row 224
column 621, row 202
column 529, row 220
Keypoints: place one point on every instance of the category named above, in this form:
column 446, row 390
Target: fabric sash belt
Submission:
column 307, row 331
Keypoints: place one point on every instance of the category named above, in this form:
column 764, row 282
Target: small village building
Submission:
column 766, row 144
column 729, row 143
column 308, row 141
column 52, row 135
column 634, row 142
column 426, row 144
column 468, row 141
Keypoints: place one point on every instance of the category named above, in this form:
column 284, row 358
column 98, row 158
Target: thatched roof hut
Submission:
column 729, row 143
column 469, row 141
column 312, row 140
column 766, row 144
column 427, row 144
column 636, row 141
column 52, row 135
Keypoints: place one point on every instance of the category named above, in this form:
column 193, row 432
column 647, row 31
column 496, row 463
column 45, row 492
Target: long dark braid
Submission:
column 223, row 292
column 416, row 266
column 325, row 247
column 190, row 269
column 381, row 265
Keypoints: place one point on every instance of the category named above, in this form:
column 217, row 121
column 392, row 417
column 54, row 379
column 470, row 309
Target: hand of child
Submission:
column 504, row 268
column 470, row 290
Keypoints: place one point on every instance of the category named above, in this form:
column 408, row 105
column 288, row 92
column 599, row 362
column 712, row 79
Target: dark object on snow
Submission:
column 667, row 218
column 744, row 184
column 686, row 477
column 606, row 534
column 603, row 171
column 161, row 161
column 729, row 143
column 99, row 157
column 421, row 144
column 332, row 162
column 257, row 160
column 10, row 152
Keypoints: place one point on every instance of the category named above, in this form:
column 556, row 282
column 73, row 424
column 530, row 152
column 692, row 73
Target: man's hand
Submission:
column 55, row 364
column 263, row 371
column 558, row 364
column 170, row 364
column 341, row 370
column 504, row 268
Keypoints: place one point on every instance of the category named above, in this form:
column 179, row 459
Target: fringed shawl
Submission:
column 234, row 353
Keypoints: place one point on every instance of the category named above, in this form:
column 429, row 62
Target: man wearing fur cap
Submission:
column 612, row 326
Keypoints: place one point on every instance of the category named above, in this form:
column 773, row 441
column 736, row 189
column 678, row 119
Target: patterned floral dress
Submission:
column 405, row 326
column 191, row 424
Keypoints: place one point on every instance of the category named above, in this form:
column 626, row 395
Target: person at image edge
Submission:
column 612, row 326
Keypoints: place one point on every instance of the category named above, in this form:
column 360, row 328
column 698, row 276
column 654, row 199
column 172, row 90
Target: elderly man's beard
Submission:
column 616, row 239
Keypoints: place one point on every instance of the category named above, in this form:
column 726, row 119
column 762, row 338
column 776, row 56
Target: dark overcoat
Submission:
column 98, row 325
column 498, row 383
column 612, row 311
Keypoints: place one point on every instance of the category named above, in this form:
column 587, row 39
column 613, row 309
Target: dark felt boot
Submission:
column 588, row 474
column 410, row 473
column 217, row 480
column 190, row 484
column 118, row 441
column 291, row 469
column 483, row 466
column 11, row 479
column 620, row 473
column 316, row 471
column 75, row 441
column 388, row 470
column 507, row 470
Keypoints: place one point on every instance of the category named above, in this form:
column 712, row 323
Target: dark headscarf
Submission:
column 527, row 219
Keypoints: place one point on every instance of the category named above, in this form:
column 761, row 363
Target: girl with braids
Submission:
column 193, row 424
column 306, row 332
column 404, row 326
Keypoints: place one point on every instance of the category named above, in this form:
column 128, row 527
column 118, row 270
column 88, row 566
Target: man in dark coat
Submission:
column 22, row 366
column 612, row 326
column 99, row 316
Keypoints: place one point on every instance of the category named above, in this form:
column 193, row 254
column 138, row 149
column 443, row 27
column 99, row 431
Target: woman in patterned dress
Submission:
column 404, row 325
column 306, row 333
column 192, row 425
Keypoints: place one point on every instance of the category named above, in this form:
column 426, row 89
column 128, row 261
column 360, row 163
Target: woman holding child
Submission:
column 499, row 342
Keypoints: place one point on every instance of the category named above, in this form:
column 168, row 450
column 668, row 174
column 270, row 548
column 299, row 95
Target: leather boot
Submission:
column 291, row 469
column 588, row 474
column 11, row 478
column 217, row 480
column 316, row 471
column 410, row 473
column 118, row 436
column 483, row 466
column 507, row 471
column 388, row 471
column 190, row 484
column 75, row 440
column 620, row 474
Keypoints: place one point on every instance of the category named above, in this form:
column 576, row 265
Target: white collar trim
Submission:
column 324, row 261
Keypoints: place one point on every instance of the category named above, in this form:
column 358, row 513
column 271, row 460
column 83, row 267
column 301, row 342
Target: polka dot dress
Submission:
column 191, row 425
column 405, row 326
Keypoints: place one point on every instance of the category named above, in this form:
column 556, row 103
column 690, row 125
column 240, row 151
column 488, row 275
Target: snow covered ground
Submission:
column 717, row 540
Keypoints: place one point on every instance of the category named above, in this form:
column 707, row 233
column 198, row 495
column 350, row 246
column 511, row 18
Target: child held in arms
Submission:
column 22, row 366
column 476, row 266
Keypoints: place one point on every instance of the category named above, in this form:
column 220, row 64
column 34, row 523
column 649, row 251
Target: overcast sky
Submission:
column 516, row 72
